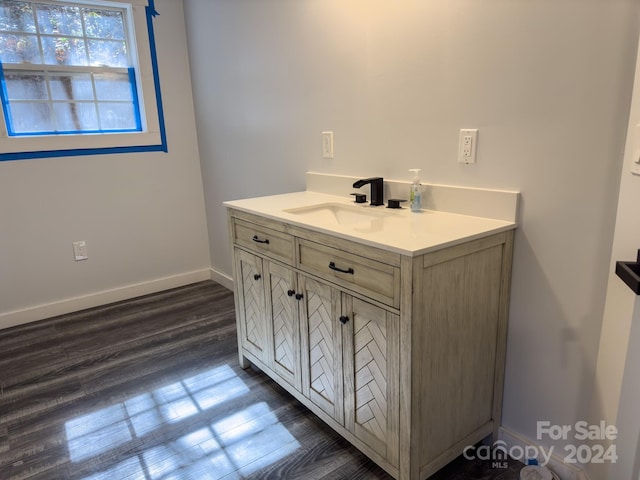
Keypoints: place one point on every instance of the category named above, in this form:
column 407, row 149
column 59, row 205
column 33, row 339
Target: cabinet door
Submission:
column 321, row 346
column 283, row 327
column 251, row 306
column 371, row 356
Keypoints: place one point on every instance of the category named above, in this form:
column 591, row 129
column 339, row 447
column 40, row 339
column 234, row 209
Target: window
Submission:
column 78, row 77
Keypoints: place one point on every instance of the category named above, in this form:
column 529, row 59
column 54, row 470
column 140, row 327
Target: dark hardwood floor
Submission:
column 150, row 388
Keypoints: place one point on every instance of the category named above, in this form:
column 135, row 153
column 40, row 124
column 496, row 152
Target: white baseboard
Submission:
column 222, row 278
column 68, row 305
column 556, row 464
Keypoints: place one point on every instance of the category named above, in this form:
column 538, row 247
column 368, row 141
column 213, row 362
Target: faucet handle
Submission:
column 360, row 197
column 394, row 203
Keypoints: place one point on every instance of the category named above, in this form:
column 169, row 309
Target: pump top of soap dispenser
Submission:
column 416, row 175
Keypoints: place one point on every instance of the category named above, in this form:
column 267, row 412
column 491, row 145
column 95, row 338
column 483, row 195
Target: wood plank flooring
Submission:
column 150, row 388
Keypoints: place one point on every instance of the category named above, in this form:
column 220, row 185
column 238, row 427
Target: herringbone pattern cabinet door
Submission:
column 370, row 364
column 322, row 347
column 251, row 302
column 371, row 378
column 285, row 328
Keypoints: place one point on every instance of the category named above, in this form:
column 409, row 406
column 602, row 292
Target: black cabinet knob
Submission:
column 257, row 276
column 291, row 293
column 344, row 319
column 299, row 296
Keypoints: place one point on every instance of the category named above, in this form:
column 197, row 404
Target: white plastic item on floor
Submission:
column 537, row 472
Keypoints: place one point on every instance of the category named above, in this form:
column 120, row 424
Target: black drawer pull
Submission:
column 299, row 296
column 257, row 276
column 344, row 319
column 332, row 266
column 256, row 239
column 291, row 293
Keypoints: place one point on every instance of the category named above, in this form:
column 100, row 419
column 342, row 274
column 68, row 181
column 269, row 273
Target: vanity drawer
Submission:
column 367, row 276
column 263, row 240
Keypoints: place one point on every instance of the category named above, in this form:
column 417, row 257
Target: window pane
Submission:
column 113, row 87
column 108, row 53
column 59, row 20
column 31, row 117
column 64, row 51
column 26, row 86
column 72, row 117
column 103, row 24
column 19, row 48
column 68, row 69
column 71, row 86
column 117, row 116
column 16, row 16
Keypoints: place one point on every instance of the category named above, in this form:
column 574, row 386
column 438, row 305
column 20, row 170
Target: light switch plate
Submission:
column 327, row 144
column 80, row 251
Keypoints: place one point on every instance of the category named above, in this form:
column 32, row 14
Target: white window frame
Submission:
column 151, row 138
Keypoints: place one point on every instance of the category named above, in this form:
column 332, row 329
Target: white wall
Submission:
column 548, row 83
column 617, row 388
column 142, row 214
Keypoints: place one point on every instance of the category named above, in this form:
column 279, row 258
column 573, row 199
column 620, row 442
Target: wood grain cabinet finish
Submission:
column 373, row 278
column 371, row 352
column 264, row 240
column 250, row 303
column 321, row 347
column 402, row 355
column 282, row 323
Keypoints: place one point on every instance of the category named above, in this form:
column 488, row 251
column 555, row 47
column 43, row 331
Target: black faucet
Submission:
column 377, row 189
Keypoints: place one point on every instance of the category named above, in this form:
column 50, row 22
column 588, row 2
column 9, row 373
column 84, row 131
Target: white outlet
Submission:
column 467, row 145
column 327, row 144
column 80, row 250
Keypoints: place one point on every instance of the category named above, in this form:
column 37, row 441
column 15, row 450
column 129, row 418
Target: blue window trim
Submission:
column 136, row 100
column 5, row 100
column 150, row 12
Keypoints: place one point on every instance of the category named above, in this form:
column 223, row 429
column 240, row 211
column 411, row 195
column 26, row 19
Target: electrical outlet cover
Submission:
column 467, row 145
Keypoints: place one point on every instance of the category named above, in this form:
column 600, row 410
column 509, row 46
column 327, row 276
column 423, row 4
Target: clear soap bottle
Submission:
column 415, row 194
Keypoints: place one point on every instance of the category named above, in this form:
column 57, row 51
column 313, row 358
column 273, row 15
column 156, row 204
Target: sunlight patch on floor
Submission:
column 242, row 442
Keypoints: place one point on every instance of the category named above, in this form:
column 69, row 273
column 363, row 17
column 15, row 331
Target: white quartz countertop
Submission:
column 400, row 231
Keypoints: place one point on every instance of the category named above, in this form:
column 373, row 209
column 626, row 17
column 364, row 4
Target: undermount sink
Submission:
column 338, row 213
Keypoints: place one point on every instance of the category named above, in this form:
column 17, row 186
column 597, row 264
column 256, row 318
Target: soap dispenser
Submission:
column 415, row 194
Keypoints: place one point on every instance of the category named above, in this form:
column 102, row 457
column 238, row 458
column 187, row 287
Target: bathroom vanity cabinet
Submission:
column 402, row 354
